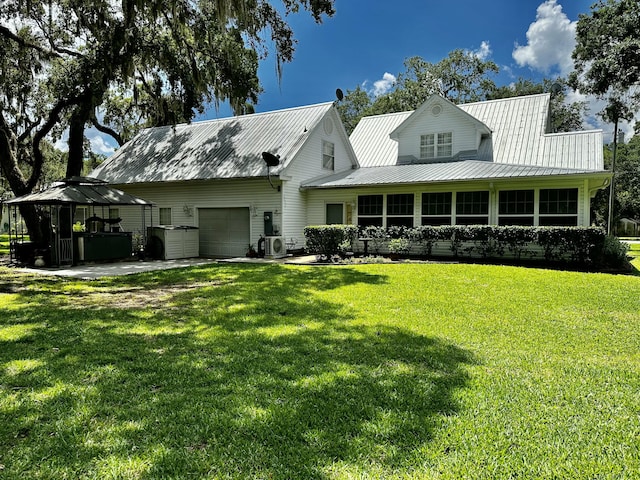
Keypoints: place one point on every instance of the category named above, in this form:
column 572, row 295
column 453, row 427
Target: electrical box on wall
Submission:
column 268, row 223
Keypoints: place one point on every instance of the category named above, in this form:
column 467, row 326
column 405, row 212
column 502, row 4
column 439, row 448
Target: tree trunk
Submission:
column 79, row 118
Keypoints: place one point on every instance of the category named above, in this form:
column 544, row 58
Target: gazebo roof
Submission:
column 79, row 191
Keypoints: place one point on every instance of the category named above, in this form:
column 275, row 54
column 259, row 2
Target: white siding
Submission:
column 184, row 198
column 450, row 120
column 308, row 165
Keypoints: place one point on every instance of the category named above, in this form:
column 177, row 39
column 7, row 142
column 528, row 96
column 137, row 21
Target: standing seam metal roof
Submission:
column 437, row 172
column 518, row 137
column 223, row 148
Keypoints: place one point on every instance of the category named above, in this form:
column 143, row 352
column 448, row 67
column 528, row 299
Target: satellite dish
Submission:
column 556, row 88
column 339, row 95
column 270, row 159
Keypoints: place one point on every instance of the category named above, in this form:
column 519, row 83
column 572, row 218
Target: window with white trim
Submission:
column 516, row 207
column 334, row 213
column 370, row 209
column 400, row 210
column 436, row 145
column 436, row 208
column 165, row 215
column 328, row 155
column 558, row 206
column 472, row 208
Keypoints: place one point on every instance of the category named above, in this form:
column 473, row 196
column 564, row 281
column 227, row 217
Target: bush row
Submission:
column 584, row 246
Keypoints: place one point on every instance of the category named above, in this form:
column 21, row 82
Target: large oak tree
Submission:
column 66, row 64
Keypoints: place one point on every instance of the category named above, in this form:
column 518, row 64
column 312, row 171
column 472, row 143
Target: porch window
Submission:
column 165, row 216
column 436, row 208
column 400, row 210
column 559, row 206
column 516, row 207
column 370, row 210
column 472, row 208
column 436, row 145
column 328, row 156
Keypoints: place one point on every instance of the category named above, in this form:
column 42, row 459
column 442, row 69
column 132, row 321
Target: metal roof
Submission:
column 86, row 191
column 223, row 148
column 518, row 137
column 438, row 172
column 371, row 141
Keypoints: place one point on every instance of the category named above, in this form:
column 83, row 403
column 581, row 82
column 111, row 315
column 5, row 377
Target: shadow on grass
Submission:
column 251, row 374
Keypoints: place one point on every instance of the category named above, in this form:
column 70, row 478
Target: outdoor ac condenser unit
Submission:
column 274, row 247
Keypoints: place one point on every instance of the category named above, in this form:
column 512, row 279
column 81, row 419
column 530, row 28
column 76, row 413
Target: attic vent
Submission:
column 436, row 110
column 328, row 126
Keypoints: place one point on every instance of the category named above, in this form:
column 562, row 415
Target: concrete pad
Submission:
column 94, row 271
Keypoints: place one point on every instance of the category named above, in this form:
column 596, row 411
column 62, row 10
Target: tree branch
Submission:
column 38, row 158
column 5, row 32
column 106, row 130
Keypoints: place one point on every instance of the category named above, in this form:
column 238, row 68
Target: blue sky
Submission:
column 366, row 42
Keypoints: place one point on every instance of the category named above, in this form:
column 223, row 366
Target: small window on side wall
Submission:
column 334, row 214
column 328, row 155
column 165, row 216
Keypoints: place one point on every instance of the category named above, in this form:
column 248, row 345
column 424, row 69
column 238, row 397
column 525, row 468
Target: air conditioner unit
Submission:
column 275, row 247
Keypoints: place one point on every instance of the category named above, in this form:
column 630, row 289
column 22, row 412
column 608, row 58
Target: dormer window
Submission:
column 436, row 145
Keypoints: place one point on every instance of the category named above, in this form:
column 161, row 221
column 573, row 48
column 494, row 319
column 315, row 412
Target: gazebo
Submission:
column 99, row 237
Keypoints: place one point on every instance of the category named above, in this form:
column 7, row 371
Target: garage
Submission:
column 224, row 232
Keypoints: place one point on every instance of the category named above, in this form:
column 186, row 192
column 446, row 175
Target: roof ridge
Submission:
column 239, row 117
column 574, row 132
column 505, row 99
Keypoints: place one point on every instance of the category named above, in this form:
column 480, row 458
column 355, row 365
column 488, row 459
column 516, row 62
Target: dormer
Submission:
column 438, row 131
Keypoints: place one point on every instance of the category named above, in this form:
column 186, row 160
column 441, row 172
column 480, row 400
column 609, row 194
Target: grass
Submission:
column 634, row 253
column 408, row 371
column 4, row 244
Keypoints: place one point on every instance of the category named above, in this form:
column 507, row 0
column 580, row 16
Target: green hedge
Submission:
column 330, row 240
column 582, row 246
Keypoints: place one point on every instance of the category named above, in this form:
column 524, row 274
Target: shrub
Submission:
column 426, row 236
column 614, row 252
column 399, row 246
column 329, row 240
column 378, row 236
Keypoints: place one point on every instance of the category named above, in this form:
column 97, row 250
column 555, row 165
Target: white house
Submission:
column 489, row 162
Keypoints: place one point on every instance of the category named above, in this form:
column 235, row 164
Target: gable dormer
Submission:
column 438, row 131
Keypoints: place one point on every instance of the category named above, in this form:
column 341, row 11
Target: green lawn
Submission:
column 4, row 244
column 444, row 371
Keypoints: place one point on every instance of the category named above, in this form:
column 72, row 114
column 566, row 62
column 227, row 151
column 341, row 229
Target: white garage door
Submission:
column 224, row 232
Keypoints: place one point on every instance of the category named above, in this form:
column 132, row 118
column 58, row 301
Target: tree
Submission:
column 607, row 52
column 156, row 61
column 461, row 77
column 607, row 64
column 627, row 191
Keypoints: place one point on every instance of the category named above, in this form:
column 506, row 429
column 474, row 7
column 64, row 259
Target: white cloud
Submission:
column 483, row 52
column 99, row 144
column 382, row 86
column 550, row 41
